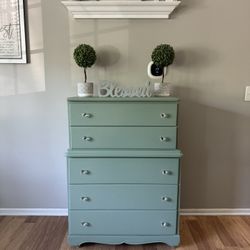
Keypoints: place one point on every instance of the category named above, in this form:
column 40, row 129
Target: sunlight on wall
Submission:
column 112, row 61
column 27, row 78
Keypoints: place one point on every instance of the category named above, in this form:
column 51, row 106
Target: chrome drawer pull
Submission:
column 167, row 172
column 165, row 224
column 164, row 115
column 84, row 198
column 85, row 224
column 83, row 171
column 166, row 139
column 87, row 138
column 165, row 198
column 86, row 115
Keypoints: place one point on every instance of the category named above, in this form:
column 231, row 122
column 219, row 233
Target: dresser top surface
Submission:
column 123, row 99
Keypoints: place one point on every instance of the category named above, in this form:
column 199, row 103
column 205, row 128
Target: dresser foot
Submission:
column 172, row 241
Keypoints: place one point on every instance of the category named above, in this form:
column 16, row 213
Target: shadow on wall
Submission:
column 190, row 72
column 27, row 78
column 107, row 56
column 215, row 165
column 185, row 6
column 100, row 34
column 195, row 58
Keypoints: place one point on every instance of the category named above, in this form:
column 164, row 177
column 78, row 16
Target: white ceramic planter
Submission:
column 85, row 89
column 162, row 89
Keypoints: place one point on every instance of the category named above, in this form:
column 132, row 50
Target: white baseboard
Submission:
column 33, row 211
column 215, row 211
column 64, row 211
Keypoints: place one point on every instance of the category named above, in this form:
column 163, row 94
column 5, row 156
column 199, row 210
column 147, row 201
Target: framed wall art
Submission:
column 13, row 47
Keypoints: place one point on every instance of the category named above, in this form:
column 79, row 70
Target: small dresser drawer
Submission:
column 124, row 114
column 123, row 137
column 123, row 170
column 123, row 196
column 141, row 222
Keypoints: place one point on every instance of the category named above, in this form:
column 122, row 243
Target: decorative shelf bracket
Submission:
column 121, row 8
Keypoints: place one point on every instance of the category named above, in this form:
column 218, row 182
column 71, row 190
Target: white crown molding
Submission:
column 121, row 8
column 64, row 211
column 215, row 211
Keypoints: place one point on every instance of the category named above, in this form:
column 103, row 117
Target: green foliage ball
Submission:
column 163, row 55
column 84, row 55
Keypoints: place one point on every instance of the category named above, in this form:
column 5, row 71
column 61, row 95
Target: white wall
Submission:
column 33, row 115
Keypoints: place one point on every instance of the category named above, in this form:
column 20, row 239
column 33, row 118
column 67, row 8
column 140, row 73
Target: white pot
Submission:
column 162, row 89
column 85, row 89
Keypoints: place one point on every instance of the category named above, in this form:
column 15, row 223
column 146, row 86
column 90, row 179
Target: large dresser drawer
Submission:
column 123, row 137
column 140, row 222
column 123, row 170
column 125, row 114
column 123, row 196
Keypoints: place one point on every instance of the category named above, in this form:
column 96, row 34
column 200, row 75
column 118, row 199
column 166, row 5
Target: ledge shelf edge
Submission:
column 120, row 9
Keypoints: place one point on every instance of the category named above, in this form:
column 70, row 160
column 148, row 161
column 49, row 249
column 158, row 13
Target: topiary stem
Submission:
column 85, row 75
column 163, row 75
column 165, row 71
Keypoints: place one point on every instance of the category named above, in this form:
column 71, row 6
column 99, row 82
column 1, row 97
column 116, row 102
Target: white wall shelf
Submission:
column 121, row 8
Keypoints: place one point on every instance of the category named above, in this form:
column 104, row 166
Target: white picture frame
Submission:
column 13, row 46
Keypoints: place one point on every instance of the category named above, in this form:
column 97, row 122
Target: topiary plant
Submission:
column 163, row 56
column 85, row 57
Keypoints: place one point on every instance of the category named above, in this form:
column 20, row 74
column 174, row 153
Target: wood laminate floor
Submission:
column 197, row 232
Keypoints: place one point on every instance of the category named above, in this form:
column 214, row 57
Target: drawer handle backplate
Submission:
column 164, row 115
column 165, row 224
column 86, row 115
column 85, row 224
column 164, row 139
column 83, row 171
column 85, row 198
column 165, row 198
column 166, row 172
column 87, row 138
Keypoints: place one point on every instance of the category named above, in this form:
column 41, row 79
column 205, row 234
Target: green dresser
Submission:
column 123, row 170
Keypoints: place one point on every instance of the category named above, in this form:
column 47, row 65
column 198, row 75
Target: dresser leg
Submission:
column 172, row 241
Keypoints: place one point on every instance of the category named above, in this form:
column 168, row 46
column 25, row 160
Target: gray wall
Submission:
column 211, row 39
